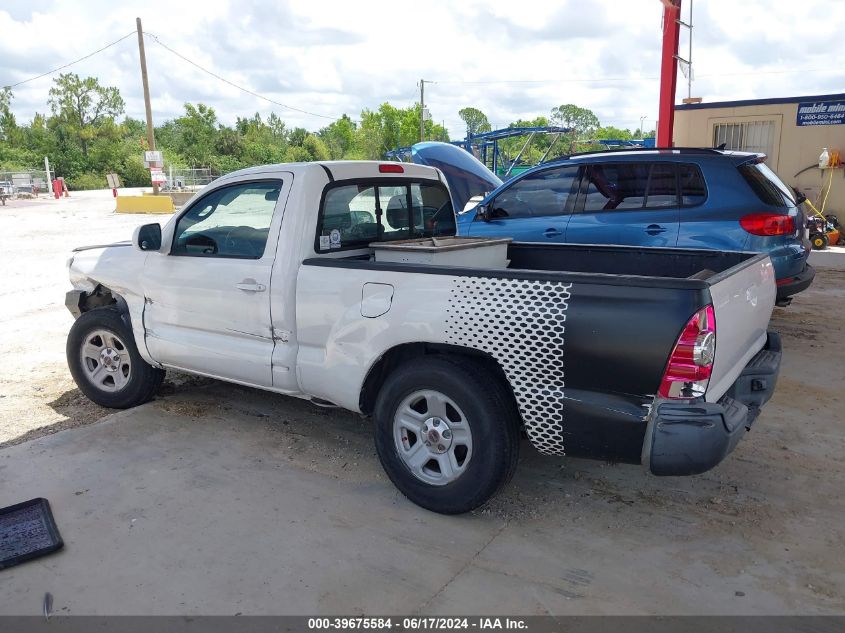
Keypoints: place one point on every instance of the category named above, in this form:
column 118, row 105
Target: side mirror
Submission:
column 148, row 237
column 482, row 212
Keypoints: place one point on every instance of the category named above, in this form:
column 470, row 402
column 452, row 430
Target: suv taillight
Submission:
column 689, row 367
column 768, row 224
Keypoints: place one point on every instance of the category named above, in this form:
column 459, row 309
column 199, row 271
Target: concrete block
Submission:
column 144, row 204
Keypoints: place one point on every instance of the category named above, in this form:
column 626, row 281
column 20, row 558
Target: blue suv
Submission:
column 680, row 197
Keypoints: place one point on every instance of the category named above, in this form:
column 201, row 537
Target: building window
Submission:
column 752, row 136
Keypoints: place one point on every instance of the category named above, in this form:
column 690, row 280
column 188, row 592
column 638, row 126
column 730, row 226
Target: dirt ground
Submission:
column 771, row 515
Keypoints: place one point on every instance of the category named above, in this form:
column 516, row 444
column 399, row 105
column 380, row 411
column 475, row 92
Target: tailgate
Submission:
column 743, row 298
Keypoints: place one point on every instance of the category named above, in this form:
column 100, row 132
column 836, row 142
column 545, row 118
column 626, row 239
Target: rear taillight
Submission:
column 391, row 168
column 768, row 224
column 689, row 367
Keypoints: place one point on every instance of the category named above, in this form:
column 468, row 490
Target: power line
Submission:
column 773, row 72
column 234, row 85
column 76, row 61
column 542, row 81
column 612, row 79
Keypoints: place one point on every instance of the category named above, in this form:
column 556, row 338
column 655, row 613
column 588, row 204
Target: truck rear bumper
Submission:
column 688, row 438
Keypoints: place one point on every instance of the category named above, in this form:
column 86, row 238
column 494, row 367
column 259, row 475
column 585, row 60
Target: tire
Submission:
column 819, row 241
column 105, row 363
column 482, row 447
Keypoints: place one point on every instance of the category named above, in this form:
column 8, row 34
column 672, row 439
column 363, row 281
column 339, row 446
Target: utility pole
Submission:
column 422, row 109
column 668, row 72
column 49, row 178
column 151, row 139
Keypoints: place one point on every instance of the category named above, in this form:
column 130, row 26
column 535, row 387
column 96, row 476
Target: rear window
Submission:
column 353, row 215
column 616, row 187
column 768, row 187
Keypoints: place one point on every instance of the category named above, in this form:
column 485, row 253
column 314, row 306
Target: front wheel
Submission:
column 446, row 433
column 105, row 363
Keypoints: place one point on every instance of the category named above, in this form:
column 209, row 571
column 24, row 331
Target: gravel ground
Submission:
column 773, row 510
column 37, row 394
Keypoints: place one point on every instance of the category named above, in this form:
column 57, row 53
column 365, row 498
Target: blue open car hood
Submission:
column 465, row 174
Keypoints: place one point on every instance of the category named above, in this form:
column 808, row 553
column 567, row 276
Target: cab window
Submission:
column 231, row 221
column 354, row 215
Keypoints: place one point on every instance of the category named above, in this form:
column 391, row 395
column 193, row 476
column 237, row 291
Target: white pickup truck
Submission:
column 342, row 283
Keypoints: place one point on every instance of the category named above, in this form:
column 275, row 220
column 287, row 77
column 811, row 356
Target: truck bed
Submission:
column 664, row 267
column 619, row 313
column 672, row 263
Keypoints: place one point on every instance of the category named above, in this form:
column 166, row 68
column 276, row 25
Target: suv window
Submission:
column 767, row 185
column 635, row 185
column 353, row 215
column 693, row 190
column 616, row 186
column 662, row 189
column 229, row 222
column 547, row 192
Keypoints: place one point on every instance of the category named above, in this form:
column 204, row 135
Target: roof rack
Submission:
column 681, row 150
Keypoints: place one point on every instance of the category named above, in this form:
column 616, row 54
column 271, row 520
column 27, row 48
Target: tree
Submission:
column 85, row 140
column 261, row 142
column 134, row 128
column 8, row 125
column 14, row 152
column 391, row 127
column 369, row 144
column 277, row 126
column 196, row 133
column 83, row 106
column 229, row 142
column 509, row 148
column 611, row 132
column 579, row 119
column 315, row 147
column 476, row 121
column 339, row 136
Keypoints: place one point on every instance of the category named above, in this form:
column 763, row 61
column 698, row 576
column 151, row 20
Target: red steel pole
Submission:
column 668, row 72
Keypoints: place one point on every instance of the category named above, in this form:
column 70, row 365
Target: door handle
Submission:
column 654, row 229
column 550, row 232
column 249, row 285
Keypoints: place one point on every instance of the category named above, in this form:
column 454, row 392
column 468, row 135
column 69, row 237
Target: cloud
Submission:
column 332, row 57
column 21, row 10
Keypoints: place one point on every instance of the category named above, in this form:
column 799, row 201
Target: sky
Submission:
column 510, row 59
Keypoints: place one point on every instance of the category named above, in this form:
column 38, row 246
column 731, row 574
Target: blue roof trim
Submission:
column 755, row 102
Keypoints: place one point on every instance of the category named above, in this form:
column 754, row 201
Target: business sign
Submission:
column 821, row 113
column 153, row 159
column 157, row 176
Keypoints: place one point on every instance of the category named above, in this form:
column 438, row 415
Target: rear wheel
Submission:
column 447, row 433
column 105, row 363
